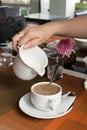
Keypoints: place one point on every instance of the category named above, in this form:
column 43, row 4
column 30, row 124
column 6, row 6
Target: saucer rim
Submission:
column 29, row 113
column 52, row 45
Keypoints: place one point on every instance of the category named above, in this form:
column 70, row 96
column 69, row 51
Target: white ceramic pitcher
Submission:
column 29, row 63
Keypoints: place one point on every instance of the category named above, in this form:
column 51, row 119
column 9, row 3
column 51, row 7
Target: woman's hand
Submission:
column 31, row 36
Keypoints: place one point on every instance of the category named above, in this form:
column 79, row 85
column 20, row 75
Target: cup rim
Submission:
column 45, row 83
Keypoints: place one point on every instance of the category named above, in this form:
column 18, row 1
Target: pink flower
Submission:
column 64, row 47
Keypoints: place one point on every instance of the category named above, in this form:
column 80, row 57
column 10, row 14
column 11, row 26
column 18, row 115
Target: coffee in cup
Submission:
column 46, row 97
column 46, row 89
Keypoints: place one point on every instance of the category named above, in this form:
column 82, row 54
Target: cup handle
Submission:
column 53, row 104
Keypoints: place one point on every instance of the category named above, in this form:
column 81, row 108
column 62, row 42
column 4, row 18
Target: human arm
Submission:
column 37, row 35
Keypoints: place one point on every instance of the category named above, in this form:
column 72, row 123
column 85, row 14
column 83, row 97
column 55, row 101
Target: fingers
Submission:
column 32, row 43
column 24, row 39
column 29, row 37
column 16, row 39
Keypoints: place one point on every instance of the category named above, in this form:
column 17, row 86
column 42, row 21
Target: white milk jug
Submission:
column 29, row 63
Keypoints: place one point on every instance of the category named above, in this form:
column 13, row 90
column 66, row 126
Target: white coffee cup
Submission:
column 46, row 100
column 29, row 63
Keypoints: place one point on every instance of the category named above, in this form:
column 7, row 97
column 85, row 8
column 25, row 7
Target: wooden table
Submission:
column 12, row 118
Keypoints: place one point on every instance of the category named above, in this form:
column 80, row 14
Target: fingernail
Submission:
column 25, row 47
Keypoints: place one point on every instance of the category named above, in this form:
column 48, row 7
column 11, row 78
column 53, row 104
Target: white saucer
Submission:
column 27, row 107
column 52, row 45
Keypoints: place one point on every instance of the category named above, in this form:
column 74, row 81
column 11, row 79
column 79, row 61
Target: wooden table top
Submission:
column 12, row 118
